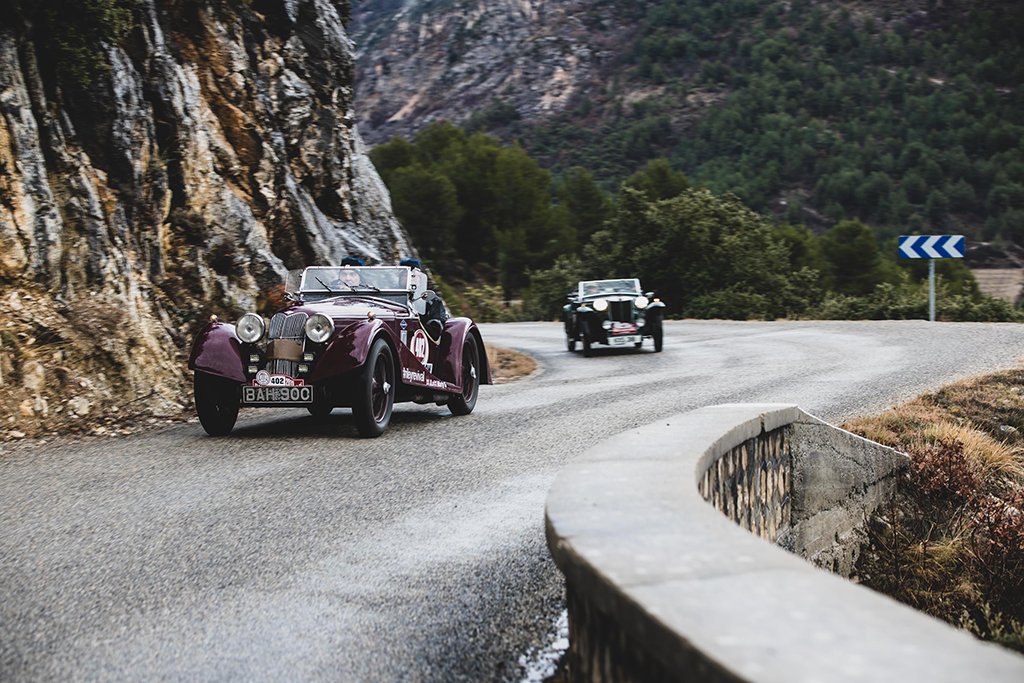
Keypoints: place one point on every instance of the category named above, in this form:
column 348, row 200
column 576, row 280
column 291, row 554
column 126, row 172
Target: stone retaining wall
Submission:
column 750, row 484
column 661, row 586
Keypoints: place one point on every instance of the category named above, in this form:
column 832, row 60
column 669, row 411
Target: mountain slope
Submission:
column 444, row 60
column 909, row 116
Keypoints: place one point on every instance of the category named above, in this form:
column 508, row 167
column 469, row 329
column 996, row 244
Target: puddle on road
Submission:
column 546, row 665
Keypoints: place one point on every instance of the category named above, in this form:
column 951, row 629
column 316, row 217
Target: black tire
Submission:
column 217, row 401
column 657, row 338
column 586, row 341
column 570, row 342
column 375, row 391
column 464, row 403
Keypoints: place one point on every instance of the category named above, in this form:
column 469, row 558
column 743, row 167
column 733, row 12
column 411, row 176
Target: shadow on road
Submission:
column 338, row 423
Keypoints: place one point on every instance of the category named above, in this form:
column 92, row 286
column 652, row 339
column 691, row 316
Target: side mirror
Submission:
column 428, row 296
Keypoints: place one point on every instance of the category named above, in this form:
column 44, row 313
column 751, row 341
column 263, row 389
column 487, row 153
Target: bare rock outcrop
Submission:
column 431, row 60
column 217, row 151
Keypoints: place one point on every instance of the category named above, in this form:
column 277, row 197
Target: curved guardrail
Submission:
column 661, row 586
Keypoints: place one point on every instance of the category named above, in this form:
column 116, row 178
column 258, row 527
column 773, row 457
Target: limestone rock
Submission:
column 79, row 406
column 33, row 376
column 217, row 152
column 431, row 60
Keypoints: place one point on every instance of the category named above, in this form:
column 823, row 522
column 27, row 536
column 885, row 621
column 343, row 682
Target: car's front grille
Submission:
column 283, row 367
column 620, row 311
column 284, row 326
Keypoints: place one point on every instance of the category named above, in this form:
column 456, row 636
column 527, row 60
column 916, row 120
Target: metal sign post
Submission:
column 931, row 290
column 931, row 247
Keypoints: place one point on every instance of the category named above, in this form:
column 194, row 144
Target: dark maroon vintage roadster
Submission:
column 362, row 337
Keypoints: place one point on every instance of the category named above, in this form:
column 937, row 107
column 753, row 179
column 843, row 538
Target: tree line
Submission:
column 481, row 212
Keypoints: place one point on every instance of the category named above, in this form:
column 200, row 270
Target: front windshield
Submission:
column 595, row 287
column 359, row 279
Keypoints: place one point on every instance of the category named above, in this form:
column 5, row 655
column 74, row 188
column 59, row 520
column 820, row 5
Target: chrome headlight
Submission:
column 250, row 328
column 641, row 302
column 607, row 324
column 601, row 304
column 319, row 328
column 640, row 322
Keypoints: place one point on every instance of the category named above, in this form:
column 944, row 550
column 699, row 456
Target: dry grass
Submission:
column 984, row 414
column 508, row 365
column 951, row 543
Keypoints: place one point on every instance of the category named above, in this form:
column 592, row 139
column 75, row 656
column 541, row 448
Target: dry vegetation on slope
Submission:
column 952, row 542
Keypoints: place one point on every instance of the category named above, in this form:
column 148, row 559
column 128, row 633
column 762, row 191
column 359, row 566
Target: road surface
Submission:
column 293, row 550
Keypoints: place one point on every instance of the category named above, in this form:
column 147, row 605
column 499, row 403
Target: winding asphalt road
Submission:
column 293, row 550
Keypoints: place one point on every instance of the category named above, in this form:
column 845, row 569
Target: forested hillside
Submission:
column 908, row 116
column 822, row 111
column 842, row 124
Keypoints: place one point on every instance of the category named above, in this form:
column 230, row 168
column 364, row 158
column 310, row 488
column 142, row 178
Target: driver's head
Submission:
column 590, row 289
column 349, row 276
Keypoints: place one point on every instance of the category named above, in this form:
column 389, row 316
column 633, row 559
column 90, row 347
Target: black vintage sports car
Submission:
column 614, row 313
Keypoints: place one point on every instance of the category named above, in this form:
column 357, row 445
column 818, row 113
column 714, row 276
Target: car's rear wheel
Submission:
column 375, row 391
column 464, row 403
column 570, row 342
column 586, row 340
column 217, row 401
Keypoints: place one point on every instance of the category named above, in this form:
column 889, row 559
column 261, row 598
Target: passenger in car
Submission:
column 433, row 312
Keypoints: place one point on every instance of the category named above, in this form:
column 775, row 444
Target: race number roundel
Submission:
column 418, row 346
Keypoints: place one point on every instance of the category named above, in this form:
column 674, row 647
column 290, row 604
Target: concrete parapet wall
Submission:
column 661, row 586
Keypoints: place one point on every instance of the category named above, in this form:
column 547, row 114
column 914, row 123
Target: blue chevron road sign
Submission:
column 931, row 246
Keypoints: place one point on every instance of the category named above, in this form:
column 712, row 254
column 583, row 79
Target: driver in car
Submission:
column 590, row 288
column 349, row 277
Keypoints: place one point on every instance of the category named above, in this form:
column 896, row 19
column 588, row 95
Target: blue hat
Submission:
column 411, row 262
column 351, row 261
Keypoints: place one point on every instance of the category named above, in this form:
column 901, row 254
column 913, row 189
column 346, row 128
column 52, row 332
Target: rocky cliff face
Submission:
column 432, row 60
column 216, row 152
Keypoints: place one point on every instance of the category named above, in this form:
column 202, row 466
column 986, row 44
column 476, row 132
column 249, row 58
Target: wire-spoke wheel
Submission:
column 464, row 403
column 375, row 391
column 217, row 401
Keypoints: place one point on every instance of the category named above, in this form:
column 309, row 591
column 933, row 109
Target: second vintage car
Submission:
column 361, row 337
column 616, row 313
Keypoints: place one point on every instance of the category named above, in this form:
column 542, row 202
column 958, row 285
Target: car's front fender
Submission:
column 655, row 308
column 217, row 351
column 347, row 349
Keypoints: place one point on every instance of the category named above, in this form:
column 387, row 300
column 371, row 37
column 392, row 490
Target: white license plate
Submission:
column 622, row 341
column 277, row 395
